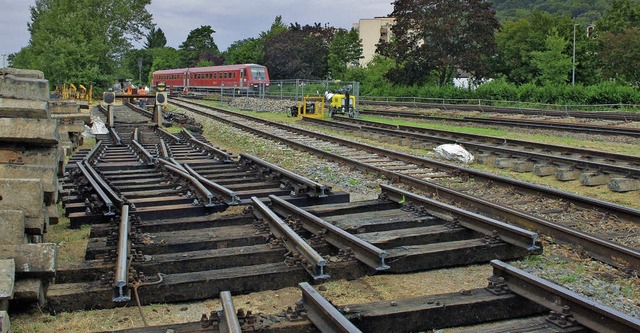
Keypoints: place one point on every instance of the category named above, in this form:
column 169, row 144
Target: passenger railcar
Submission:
column 242, row 78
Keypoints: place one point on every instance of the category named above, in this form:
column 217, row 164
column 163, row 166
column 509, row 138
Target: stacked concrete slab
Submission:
column 71, row 123
column 29, row 164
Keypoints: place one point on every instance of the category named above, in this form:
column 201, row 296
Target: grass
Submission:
column 72, row 243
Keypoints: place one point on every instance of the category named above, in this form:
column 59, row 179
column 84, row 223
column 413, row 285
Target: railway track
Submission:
column 151, row 202
column 608, row 115
column 590, row 167
column 154, row 201
column 535, row 305
column 566, row 217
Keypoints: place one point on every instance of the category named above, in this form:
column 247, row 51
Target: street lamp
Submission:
column 573, row 72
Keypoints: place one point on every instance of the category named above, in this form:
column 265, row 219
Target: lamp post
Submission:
column 573, row 72
column 140, row 71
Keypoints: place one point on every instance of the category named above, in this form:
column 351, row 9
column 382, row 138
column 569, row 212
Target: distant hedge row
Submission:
column 499, row 90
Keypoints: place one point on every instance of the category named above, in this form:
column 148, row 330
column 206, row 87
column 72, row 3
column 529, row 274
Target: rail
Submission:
column 292, row 241
column 201, row 188
column 299, row 183
column 115, row 137
column 508, row 233
column 94, row 152
column 367, row 253
column 144, row 154
column 94, row 184
column 322, row 314
column 229, row 322
column 560, row 300
column 163, row 149
column 121, row 278
column 222, row 155
column 168, row 135
column 229, row 196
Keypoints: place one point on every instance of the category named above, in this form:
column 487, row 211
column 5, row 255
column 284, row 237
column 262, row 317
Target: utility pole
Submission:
column 573, row 72
column 4, row 57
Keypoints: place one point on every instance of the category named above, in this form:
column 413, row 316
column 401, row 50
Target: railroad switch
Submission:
column 297, row 314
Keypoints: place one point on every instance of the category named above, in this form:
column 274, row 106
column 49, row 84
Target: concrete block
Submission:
column 624, row 184
column 23, row 108
column 503, row 163
column 486, row 159
column 54, row 215
column 30, row 291
column 5, row 324
column 7, row 279
column 594, row 179
column 566, row 174
column 14, row 153
column 32, row 260
column 36, row 131
column 542, row 170
column 12, row 225
column 22, row 194
column 24, row 73
column 522, row 166
column 48, row 176
column 64, row 107
column 24, row 86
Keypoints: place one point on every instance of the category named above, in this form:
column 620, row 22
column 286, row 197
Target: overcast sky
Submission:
column 232, row 20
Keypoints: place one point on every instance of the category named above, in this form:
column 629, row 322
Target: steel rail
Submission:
column 313, row 189
column 510, row 110
column 224, row 156
column 201, row 188
column 621, row 211
column 115, row 137
column 229, row 322
column 144, row 154
column 103, row 196
column 135, row 134
column 482, row 224
column 418, row 133
column 101, row 182
column 229, row 196
column 168, row 135
column 292, row 241
column 163, row 149
column 121, row 278
column 609, row 252
column 94, row 152
column 322, row 314
column 177, row 164
column 586, row 312
column 367, row 253
column 592, row 129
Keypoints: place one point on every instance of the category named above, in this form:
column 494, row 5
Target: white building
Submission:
column 373, row 31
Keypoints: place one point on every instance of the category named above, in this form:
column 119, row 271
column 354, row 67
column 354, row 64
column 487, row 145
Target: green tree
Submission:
column 163, row 58
column 620, row 54
column 437, row 36
column 200, row 46
column 246, row 51
column 155, row 38
column 621, row 14
column 345, row 50
column 70, row 43
column 552, row 63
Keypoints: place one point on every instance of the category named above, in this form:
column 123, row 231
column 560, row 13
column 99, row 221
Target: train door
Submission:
column 185, row 81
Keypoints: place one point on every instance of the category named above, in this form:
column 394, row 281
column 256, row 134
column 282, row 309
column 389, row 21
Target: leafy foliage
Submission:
column 620, row 54
column 199, row 46
column 552, row 64
column 345, row 50
column 155, row 39
column 70, row 42
column 440, row 36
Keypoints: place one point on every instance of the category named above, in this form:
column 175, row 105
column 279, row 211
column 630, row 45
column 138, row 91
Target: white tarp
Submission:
column 97, row 127
column 453, row 152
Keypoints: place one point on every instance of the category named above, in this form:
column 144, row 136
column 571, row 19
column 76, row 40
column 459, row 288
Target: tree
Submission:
column 345, row 50
column 620, row 55
column 70, row 43
column 246, row 51
column 621, row 14
column 300, row 52
column 553, row 65
column 155, row 38
column 200, row 46
column 439, row 36
column 164, row 58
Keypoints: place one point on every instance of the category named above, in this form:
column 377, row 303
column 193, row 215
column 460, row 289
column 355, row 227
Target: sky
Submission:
column 232, row 20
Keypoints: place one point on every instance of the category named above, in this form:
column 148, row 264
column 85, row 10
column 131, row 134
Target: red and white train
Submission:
column 243, row 78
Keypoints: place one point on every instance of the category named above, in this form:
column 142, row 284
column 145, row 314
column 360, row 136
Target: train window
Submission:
column 215, row 75
column 258, row 73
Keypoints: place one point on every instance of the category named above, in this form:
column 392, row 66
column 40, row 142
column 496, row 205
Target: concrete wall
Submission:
column 371, row 31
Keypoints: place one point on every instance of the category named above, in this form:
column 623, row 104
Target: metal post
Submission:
column 140, row 71
column 109, row 116
column 4, row 58
column 573, row 72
